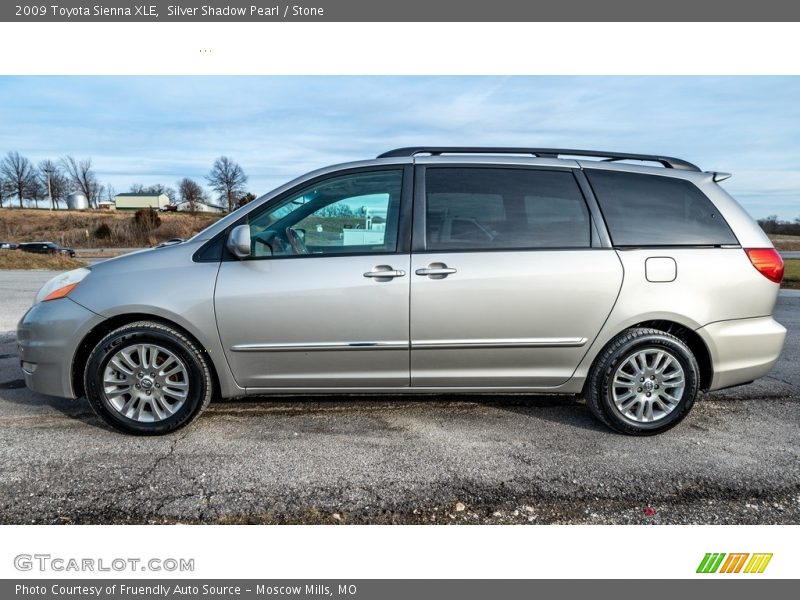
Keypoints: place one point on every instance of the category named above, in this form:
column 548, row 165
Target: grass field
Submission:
column 102, row 252
column 786, row 242
column 791, row 273
column 16, row 259
column 83, row 229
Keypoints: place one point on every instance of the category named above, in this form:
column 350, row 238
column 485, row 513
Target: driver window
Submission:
column 350, row 214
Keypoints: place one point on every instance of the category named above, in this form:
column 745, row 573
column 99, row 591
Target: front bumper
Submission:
column 742, row 350
column 47, row 338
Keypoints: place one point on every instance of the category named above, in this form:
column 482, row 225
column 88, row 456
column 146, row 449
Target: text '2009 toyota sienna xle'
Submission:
column 430, row 270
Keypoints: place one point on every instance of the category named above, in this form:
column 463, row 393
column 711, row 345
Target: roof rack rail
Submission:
column 667, row 161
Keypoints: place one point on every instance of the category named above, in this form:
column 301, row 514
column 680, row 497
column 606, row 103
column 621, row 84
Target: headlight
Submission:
column 61, row 285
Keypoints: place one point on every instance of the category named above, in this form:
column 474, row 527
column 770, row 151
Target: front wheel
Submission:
column 644, row 382
column 147, row 378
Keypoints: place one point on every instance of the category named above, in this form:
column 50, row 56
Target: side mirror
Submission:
column 239, row 241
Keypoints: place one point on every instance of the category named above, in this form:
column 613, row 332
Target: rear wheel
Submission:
column 147, row 378
column 644, row 382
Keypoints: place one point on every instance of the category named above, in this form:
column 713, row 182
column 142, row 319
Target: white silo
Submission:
column 77, row 201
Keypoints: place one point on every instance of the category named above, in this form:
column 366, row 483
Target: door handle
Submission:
column 384, row 273
column 436, row 271
column 387, row 273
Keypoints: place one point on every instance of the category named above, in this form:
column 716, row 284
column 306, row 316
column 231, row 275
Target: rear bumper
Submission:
column 47, row 337
column 743, row 349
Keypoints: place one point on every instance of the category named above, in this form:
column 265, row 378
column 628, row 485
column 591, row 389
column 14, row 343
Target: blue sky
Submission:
column 159, row 129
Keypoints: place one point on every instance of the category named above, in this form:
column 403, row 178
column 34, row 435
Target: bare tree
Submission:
column 6, row 193
column 191, row 193
column 19, row 175
column 83, row 178
column 157, row 189
column 3, row 191
column 337, row 209
column 109, row 193
column 246, row 199
column 769, row 224
column 227, row 178
column 54, row 183
column 36, row 191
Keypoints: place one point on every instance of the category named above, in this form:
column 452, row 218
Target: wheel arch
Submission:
column 684, row 332
column 693, row 340
column 91, row 339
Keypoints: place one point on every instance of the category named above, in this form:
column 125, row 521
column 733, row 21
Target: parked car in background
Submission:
column 430, row 270
column 46, row 248
column 8, row 246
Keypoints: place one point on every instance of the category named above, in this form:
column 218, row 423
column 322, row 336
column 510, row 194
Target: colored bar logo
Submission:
column 737, row 562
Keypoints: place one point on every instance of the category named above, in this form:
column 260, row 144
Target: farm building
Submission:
column 133, row 201
column 199, row 207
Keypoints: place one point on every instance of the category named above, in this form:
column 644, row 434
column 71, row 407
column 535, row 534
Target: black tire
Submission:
column 599, row 394
column 200, row 380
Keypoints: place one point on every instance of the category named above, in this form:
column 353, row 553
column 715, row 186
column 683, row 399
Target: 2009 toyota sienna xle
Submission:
column 430, row 270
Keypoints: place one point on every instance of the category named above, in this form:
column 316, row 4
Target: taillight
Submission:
column 767, row 261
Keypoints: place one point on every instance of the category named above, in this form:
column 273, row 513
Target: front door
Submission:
column 323, row 300
column 507, row 290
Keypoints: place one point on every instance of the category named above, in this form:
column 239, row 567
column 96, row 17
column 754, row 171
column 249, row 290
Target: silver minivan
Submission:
column 632, row 279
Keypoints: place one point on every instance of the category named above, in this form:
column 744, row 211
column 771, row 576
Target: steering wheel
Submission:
column 296, row 242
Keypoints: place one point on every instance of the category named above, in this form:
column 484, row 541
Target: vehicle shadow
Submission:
column 562, row 410
column 76, row 410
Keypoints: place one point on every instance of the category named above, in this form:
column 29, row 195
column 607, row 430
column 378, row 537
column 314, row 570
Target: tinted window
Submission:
column 348, row 214
column 651, row 210
column 504, row 209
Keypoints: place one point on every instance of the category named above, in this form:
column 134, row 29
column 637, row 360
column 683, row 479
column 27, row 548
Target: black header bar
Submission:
column 400, row 11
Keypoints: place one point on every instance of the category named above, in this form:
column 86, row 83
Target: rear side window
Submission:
column 652, row 210
column 495, row 208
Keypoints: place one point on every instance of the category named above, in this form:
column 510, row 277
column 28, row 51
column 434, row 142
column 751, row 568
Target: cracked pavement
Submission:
column 466, row 459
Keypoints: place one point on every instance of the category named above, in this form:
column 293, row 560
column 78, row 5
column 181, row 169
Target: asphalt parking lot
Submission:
column 735, row 459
